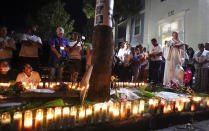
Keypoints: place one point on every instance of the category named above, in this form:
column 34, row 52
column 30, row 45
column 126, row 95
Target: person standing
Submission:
column 7, row 46
column 30, row 43
column 58, row 54
column 201, row 60
column 75, row 52
column 155, row 61
column 174, row 54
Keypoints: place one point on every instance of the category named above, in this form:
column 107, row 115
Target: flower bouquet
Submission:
column 14, row 89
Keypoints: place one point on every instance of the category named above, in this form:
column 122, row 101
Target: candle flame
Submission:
column 197, row 99
column 39, row 115
column 17, row 115
column 50, row 114
column 5, row 118
column 28, row 119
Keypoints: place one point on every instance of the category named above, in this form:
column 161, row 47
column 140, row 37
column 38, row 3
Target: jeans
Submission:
column 154, row 71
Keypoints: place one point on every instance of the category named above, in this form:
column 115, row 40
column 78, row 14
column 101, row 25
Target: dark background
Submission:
column 14, row 12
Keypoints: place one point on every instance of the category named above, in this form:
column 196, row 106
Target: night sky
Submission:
column 14, row 12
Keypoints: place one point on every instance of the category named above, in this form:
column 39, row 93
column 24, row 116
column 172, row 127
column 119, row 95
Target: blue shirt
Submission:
column 56, row 41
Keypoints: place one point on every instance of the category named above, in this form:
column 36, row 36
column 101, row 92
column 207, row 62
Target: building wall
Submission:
column 192, row 13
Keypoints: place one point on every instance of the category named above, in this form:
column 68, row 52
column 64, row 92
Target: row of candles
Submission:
column 129, row 84
column 69, row 117
column 47, row 85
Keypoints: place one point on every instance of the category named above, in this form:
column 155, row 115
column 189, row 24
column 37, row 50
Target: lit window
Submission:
column 174, row 26
column 165, row 28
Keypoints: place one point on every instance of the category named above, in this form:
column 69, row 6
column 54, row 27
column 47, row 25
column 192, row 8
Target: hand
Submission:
column 62, row 45
column 78, row 40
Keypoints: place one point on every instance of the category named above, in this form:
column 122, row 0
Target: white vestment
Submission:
column 174, row 58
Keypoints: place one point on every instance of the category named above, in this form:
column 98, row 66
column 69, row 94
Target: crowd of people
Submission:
column 63, row 55
column 161, row 65
column 164, row 65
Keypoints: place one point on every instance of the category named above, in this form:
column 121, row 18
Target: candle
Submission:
column 39, row 119
column 73, row 112
column 28, row 120
column 97, row 108
column 196, row 102
column 193, row 107
column 46, row 85
column 18, row 120
column 4, row 84
column 187, row 103
column 111, row 109
column 104, row 112
column 207, row 102
column 141, row 106
column 81, row 116
column 122, row 111
column 179, row 106
column 128, row 109
column 57, row 114
column 41, row 84
column 5, row 118
column 167, row 109
column 50, row 118
column 65, row 115
column 162, row 105
column 116, row 112
column 153, row 104
column 88, row 114
column 135, row 109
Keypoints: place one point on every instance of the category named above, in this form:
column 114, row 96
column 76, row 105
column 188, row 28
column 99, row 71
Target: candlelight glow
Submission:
column 58, row 111
column 41, row 84
column 4, row 84
column 135, row 110
column 192, row 107
column 5, row 118
column 18, row 120
column 179, row 106
column 28, row 119
column 89, row 111
column 50, row 114
column 17, row 115
column 81, row 113
column 185, row 100
column 73, row 111
column 196, row 99
column 141, row 106
column 39, row 114
column 66, row 111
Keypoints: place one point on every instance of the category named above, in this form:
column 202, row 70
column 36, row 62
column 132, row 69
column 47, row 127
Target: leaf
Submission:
column 53, row 103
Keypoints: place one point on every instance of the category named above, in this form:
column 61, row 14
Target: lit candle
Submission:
column 57, row 114
column 179, row 106
column 39, row 119
column 193, row 107
column 81, row 116
column 104, row 112
column 207, row 102
column 41, row 84
column 4, row 84
column 187, row 103
column 65, row 115
column 141, row 106
column 46, row 85
column 28, row 120
column 116, row 112
column 128, row 109
column 135, row 109
column 167, row 109
column 5, row 118
column 97, row 108
column 50, row 118
column 162, row 104
column 196, row 102
column 122, row 111
column 89, row 114
column 73, row 112
column 111, row 109
column 153, row 105
column 18, row 120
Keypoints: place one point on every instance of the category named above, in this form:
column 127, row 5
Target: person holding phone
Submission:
column 75, row 52
column 58, row 54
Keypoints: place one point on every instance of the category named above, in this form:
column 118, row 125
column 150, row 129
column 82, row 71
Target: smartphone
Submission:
column 62, row 48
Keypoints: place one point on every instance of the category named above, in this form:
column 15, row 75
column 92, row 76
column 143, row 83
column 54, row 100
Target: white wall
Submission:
column 196, row 19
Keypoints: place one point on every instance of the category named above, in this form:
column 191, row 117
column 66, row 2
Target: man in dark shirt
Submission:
column 6, row 74
column 58, row 54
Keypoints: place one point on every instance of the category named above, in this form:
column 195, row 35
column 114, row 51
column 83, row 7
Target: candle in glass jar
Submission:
column 88, row 114
column 128, row 109
column 50, row 118
column 153, row 104
column 196, row 102
column 116, row 112
column 97, row 108
column 135, row 108
column 41, row 84
column 39, row 119
column 65, row 116
column 81, row 115
column 207, row 102
column 18, row 120
column 104, row 112
column 141, row 106
column 57, row 114
column 73, row 113
column 46, row 85
column 111, row 109
column 5, row 118
column 28, row 120
column 122, row 111
column 193, row 107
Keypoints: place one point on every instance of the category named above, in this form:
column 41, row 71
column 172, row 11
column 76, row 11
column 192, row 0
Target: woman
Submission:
column 174, row 58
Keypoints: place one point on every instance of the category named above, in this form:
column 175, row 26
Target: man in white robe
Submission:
column 174, row 54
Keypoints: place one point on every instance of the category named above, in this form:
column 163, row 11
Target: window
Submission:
column 137, row 30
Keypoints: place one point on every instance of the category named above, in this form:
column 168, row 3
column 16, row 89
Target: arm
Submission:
column 72, row 48
column 55, row 51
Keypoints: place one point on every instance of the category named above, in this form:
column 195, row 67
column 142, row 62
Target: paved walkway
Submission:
column 199, row 126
